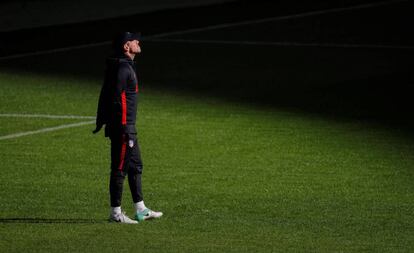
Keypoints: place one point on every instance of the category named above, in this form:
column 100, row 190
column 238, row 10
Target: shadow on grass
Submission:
column 53, row 221
column 370, row 84
column 337, row 83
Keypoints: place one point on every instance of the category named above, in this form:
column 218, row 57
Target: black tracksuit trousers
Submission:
column 125, row 160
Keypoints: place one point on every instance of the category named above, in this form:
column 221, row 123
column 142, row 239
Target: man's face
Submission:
column 133, row 47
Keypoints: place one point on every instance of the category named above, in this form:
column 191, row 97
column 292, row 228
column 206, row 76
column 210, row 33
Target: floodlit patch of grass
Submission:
column 229, row 178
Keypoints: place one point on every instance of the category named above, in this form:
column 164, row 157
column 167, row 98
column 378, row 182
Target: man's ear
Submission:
column 126, row 46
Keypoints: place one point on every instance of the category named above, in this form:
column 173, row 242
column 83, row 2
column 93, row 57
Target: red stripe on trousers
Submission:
column 123, row 151
column 124, row 108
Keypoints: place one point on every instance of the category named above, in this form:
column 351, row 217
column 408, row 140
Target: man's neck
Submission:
column 130, row 56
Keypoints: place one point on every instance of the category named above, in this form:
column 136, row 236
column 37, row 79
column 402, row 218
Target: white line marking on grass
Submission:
column 44, row 130
column 207, row 28
column 264, row 20
column 269, row 43
column 45, row 116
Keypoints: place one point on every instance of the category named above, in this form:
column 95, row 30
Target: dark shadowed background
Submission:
column 353, row 62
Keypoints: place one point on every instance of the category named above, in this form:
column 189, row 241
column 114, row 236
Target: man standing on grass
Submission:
column 117, row 110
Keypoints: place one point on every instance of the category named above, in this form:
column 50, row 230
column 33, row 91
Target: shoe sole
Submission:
column 114, row 221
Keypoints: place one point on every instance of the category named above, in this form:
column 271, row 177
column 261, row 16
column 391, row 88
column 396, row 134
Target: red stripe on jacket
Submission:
column 124, row 108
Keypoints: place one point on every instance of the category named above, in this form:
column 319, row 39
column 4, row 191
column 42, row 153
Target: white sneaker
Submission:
column 121, row 218
column 147, row 214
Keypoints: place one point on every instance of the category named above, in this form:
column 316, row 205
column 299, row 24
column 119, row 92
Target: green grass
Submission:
column 229, row 177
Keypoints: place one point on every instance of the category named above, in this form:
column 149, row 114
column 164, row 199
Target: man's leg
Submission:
column 135, row 168
column 119, row 163
column 116, row 184
column 135, row 185
column 117, row 177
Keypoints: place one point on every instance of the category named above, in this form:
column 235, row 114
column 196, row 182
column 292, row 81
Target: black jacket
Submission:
column 118, row 101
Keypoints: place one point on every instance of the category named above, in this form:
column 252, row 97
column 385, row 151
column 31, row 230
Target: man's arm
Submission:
column 103, row 107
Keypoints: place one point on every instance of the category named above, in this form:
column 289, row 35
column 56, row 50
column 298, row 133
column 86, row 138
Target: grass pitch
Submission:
column 228, row 177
